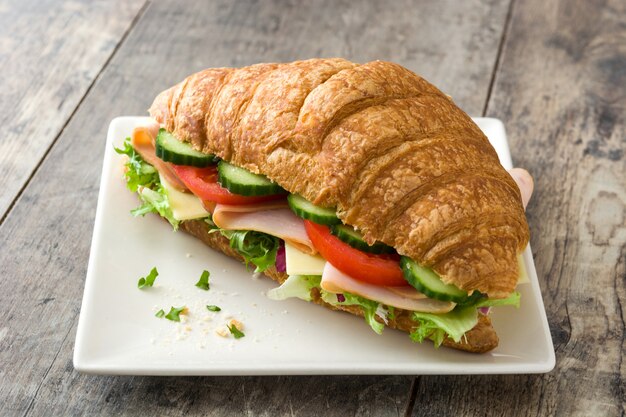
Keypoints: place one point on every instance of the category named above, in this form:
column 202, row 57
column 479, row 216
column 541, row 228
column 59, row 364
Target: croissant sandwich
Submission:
column 360, row 187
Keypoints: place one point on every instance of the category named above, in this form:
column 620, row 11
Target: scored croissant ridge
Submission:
column 396, row 157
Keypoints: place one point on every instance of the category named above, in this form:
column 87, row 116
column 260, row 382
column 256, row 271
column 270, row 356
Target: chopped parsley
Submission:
column 148, row 281
column 160, row 313
column 174, row 314
column 203, row 283
column 213, row 308
column 238, row 334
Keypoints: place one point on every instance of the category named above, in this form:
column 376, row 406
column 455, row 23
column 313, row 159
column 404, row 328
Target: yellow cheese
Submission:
column 185, row 206
column 300, row 263
column 523, row 275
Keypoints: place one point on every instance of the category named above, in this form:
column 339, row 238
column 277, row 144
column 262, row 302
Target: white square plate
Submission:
column 118, row 332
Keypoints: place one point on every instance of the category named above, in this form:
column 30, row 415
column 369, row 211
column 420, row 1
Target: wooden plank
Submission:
column 561, row 91
column 44, row 257
column 50, row 53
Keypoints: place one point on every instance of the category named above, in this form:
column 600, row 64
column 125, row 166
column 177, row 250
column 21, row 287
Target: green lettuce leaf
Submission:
column 138, row 172
column 143, row 178
column 155, row 201
column 511, row 300
column 296, row 286
column 370, row 308
column 212, row 226
column 455, row 323
column 435, row 326
column 255, row 247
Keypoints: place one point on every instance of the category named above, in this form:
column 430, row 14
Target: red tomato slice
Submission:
column 203, row 183
column 374, row 269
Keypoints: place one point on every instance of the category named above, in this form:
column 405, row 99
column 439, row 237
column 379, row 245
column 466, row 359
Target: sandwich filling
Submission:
column 271, row 228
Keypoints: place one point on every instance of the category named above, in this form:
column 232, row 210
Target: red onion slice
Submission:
column 281, row 260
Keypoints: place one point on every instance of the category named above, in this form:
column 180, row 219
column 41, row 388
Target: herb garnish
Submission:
column 213, row 308
column 235, row 331
column 174, row 314
column 160, row 313
column 148, row 281
column 203, row 283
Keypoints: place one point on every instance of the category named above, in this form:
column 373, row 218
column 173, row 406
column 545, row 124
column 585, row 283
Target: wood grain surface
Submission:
column 561, row 90
column 553, row 71
column 50, row 54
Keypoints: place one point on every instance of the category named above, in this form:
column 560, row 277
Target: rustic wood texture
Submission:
column 559, row 86
column 50, row 54
column 561, row 90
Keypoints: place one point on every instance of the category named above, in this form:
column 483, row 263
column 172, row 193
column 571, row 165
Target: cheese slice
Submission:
column 300, row 263
column 523, row 275
column 279, row 222
column 185, row 206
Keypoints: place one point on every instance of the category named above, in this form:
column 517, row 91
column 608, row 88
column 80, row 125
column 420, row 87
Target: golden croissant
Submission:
column 393, row 156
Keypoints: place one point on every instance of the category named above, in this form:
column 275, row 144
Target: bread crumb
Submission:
column 222, row 332
column 188, row 255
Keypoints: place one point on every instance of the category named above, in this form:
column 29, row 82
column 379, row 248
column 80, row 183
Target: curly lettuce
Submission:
column 143, row 178
column 455, row 323
column 257, row 248
column 512, row 300
column 295, row 286
column 436, row 326
column 138, row 172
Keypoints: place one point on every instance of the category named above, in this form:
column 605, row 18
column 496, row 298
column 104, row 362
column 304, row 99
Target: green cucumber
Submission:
column 309, row 211
column 243, row 182
column 170, row 149
column 426, row 281
column 354, row 238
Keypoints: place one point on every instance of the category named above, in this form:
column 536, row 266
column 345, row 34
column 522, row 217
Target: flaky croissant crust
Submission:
column 396, row 157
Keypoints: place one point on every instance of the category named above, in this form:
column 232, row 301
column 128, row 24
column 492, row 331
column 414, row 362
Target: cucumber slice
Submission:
column 170, row 149
column 243, row 182
column 429, row 283
column 354, row 238
column 307, row 210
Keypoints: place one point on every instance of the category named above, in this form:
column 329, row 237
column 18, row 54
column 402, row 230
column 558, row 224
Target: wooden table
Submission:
column 554, row 71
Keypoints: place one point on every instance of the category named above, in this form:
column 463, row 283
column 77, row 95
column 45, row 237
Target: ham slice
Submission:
column 525, row 183
column 335, row 281
column 408, row 292
column 143, row 139
column 272, row 217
